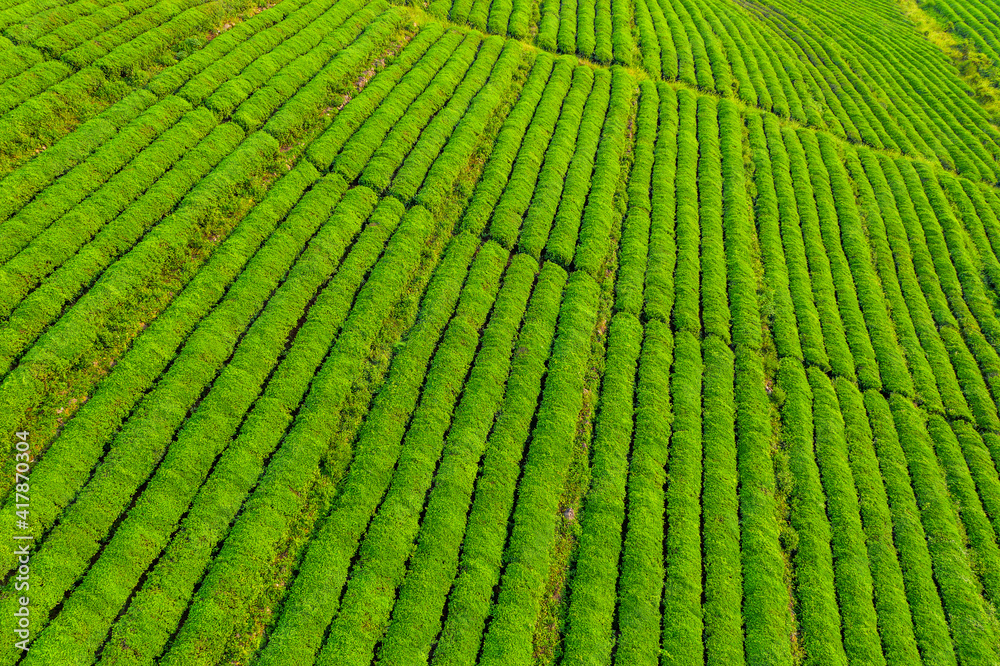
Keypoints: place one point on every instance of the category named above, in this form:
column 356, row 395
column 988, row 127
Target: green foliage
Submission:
column 471, row 597
column 381, row 560
column 796, row 434
column 852, row 574
column 460, row 10
column 497, row 171
column 622, row 41
column 682, row 585
column 81, row 225
column 817, row 609
column 598, row 216
column 715, row 315
column 82, row 442
column 566, row 35
column 662, row 255
column 549, row 24
column 198, row 75
column 648, row 46
column 642, row 565
column 478, row 14
column 979, row 221
column 580, row 177
column 738, row 232
column 448, row 166
column 977, row 456
column 809, row 196
column 308, row 79
column 781, row 313
column 434, row 564
column 116, row 236
column 387, row 158
column 265, row 518
column 895, row 624
column 65, row 341
column 508, row 637
column 24, row 86
column 203, row 437
column 893, row 372
column 604, row 24
column 765, row 597
column 485, row 94
column 810, row 333
column 634, row 250
column 965, row 348
column 188, row 47
column 889, row 240
column 142, row 43
column 507, row 215
column 45, row 118
column 83, row 178
column 687, row 275
column 984, row 554
column 585, row 37
column 925, row 604
column 517, row 21
column 548, row 188
column 720, row 509
column 361, row 147
column 500, row 18
column 959, row 279
column 151, row 618
column 971, row 620
column 855, row 252
column 829, row 216
column 325, row 149
column 589, row 635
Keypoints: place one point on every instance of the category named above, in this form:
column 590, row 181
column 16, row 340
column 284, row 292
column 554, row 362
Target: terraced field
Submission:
column 505, row 332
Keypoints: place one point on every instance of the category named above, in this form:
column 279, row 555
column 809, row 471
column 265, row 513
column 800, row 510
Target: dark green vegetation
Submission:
column 512, row 332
